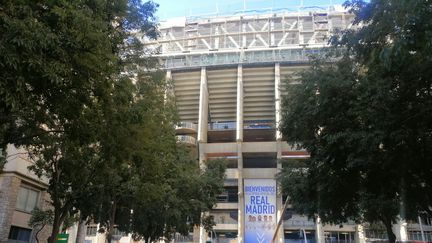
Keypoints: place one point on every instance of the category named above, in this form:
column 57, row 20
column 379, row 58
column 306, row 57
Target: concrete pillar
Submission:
column 196, row 234
column 216, row 38
column 203, row 108
column 169, row 91
column 400, row 230
column 202, row 131
column 240, row 224
column 319, row 232
column 100, row 237
column 359, row 235
column 239, row 125
column 279, row 202
column 202, row 232
column 243, row 30
column 73, row 232
column 278, row 101
column 272, row 35
column 168, row 74
column 9, row 187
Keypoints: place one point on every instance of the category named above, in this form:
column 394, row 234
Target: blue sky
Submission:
column 178, row 8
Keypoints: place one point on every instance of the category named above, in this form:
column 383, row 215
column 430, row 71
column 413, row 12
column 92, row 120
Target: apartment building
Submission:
column 20, row 192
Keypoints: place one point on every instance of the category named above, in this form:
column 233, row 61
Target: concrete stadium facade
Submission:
column 228, row 74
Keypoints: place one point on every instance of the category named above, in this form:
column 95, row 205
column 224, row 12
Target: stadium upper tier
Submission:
column 248, row 39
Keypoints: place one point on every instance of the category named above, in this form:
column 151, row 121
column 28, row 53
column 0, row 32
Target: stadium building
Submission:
column 228, row 74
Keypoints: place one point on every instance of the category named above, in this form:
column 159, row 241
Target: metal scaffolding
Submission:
column 278, row 37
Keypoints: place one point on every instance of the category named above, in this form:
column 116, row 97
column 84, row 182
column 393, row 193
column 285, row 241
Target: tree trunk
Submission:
column 55, row 227
column 390, row 234
column 37, row 233
column 81, row 233
column 111, row 221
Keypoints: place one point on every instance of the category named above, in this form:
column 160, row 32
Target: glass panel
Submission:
column 24, row 235
column 91, row 230
column 22, row 198
column 31, row 200
column 18, row 234
column 13, row 233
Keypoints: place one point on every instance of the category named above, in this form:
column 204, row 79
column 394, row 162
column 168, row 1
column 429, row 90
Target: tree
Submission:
column 59, row 64
column 366, row 120
column 152, row 187
column 173, row 207
column 39, row 220
column 81, row 94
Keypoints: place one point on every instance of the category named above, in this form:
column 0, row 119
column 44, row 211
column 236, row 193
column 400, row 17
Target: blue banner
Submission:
column 260, row 210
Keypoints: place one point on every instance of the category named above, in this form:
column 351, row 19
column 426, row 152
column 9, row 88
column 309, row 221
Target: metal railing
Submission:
column 225, row 218
column 298, row 223
column 186, row 139
column 259, row 125
column 222, row 126
column 249, row 57
column 187, row 125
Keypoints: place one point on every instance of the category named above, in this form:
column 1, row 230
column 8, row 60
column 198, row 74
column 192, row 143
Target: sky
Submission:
column 179, row 8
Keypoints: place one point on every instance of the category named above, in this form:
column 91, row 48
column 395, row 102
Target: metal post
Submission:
column 280, row 221
column 421, row 230
column 304, row 235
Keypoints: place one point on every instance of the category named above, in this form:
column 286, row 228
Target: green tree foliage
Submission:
column 60, row 63
column 366, row 120
column 171, row 207
column 79, row 92
column 39, row 219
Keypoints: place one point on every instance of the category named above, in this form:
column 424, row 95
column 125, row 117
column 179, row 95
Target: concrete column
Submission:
column 240, row 224
column 400, row 230
column 279, row 202
column 73, row 232
column 272, row 35
column 169, row 92
column 202, row 155
column 9, row 187
column 100, row 237
column 244, row 40
column 359, row 235
column 202, row 232
column 168, row 74
column 203, row 108
column 278, row 101
column 239, row 125
column 319, row 232
column 202, row 131
column 216, row 39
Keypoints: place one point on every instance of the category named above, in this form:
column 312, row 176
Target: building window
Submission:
column 27, row 199
column 338, row 237
column 91, row 230
column 117, row 232
column 417, row 235
column 19, row 235
column 259, row 160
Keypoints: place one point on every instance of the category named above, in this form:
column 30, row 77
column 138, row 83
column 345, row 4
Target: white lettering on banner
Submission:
column 260, row 210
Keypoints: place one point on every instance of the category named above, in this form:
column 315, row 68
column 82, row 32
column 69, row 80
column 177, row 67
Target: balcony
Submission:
column 259, row 125
column 302, row 223
column 259, row 131
column 225, row 216
column 227, row 205
column 218, row 126
column 186, row 128
column 221, row 132
column 187, row 140
column 231, row 173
